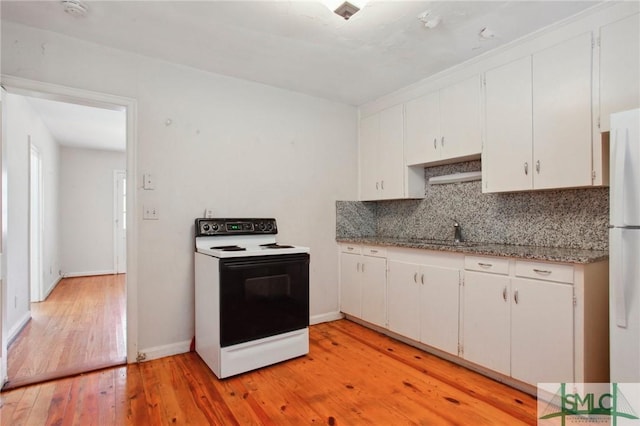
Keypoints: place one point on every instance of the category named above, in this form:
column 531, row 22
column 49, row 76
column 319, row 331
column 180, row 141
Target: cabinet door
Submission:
column 374, row 287
column 460, row 119
column 403, row 296
column 562, row 114
column 541, row 331
column 508, row 151
column 369, row 141
column 439, row 308
column 350, row 284
column 391, row 153
column 422, row 130
column 486, row 328
column 619, row 68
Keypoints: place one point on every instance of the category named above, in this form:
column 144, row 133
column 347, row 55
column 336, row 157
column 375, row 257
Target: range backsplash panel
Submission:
column 572, row 218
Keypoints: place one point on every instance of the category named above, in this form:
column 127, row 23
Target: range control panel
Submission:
column 211, row 226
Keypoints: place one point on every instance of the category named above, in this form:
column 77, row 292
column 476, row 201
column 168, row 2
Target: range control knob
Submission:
column 261, row 226
column 205, row 227
column 214, row 226
column 269, row 226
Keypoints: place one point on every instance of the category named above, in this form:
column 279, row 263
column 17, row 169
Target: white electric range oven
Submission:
column 251, row 294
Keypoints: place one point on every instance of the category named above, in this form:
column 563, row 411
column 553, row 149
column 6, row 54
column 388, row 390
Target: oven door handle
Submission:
column 258, row 261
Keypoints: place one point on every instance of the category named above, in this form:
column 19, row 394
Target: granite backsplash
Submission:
column 572, row 218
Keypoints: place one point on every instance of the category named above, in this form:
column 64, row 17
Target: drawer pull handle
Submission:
column 373, row 251
column 485, row 265
column 362, row 268
column 542, row 271
column 504, row 293
column 358, row 266
column 422, row 279
column 415, row 278
column 515, row 296
column 350, row 248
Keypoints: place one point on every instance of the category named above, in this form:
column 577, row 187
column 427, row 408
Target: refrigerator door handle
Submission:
column 618, row 177
column 618, row 277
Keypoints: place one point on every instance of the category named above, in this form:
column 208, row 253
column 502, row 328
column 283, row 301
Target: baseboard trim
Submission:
column 163, row 351
column 87, row 273
column 51, row 287
column 17, row 327
column 328, row 317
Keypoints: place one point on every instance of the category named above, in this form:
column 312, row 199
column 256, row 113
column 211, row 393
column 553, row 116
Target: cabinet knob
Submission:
column 526, row 168
column 538, row 166
column 377, row 186
column 435, row 143
column 422, row 279
column 442, row 141
column 504, row 293
column 515, row 296
column 415, row 278
column 382, row 185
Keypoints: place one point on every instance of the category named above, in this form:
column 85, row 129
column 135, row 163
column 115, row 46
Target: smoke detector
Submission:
column 429, row 19
column 75, row 7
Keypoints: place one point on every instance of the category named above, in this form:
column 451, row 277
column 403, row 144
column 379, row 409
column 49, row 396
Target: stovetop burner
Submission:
column 228, row 248
column 275, row 246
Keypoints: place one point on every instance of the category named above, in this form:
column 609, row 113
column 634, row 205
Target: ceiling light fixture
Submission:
column 429, row 19
column 343, row 8
column 75, row 7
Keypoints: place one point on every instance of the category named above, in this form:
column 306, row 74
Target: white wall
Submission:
column 86, row 210
column 21, row 121
column 240, row 148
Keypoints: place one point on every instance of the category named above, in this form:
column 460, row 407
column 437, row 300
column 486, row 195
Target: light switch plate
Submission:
column 148, row 182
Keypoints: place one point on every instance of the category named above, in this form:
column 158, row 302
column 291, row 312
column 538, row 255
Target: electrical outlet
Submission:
column 150, row 212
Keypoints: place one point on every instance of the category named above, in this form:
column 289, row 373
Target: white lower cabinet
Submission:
column 486, row 327
column 536, row 321
column 363, row 282
column 528, row 321
column 423, row 299
column 541, row 331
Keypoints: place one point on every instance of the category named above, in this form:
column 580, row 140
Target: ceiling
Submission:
column 302, row 45
column 296, row 45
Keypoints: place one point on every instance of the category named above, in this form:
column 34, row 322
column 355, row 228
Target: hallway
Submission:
column 80, row 327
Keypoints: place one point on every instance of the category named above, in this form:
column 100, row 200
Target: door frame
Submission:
column 36, row 222
column 26, row 87
column 117, row 213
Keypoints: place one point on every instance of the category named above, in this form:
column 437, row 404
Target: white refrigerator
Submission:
column 624, row 247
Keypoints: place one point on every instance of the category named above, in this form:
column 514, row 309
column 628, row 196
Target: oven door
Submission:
column 263, row 296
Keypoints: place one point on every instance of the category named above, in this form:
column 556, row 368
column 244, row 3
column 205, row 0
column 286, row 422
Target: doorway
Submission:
column 126, row 217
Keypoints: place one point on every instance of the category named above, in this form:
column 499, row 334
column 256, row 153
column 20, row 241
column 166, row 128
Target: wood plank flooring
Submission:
column 79, row 328
column 351, row 376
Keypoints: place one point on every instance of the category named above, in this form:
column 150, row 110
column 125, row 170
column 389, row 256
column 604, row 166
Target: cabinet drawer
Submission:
column 545, row 271
column 351, row 248
column 492, row 265
column 374, row 251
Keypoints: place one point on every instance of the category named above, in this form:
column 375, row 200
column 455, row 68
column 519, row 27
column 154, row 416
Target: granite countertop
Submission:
column 550, row 254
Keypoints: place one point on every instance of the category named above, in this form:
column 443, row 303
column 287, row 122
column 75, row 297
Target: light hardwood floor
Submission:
column 79, row 328
column 351, row 376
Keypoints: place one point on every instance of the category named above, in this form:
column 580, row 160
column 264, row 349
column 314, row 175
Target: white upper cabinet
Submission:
column 422, row 129
column 562, row 114
column 619, row 68
column 381, row 155
column 444, row 125
column 507, row 157
column 460, row 119
column 538, row 120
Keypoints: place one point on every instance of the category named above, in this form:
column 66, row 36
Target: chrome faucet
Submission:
column 457, row 236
